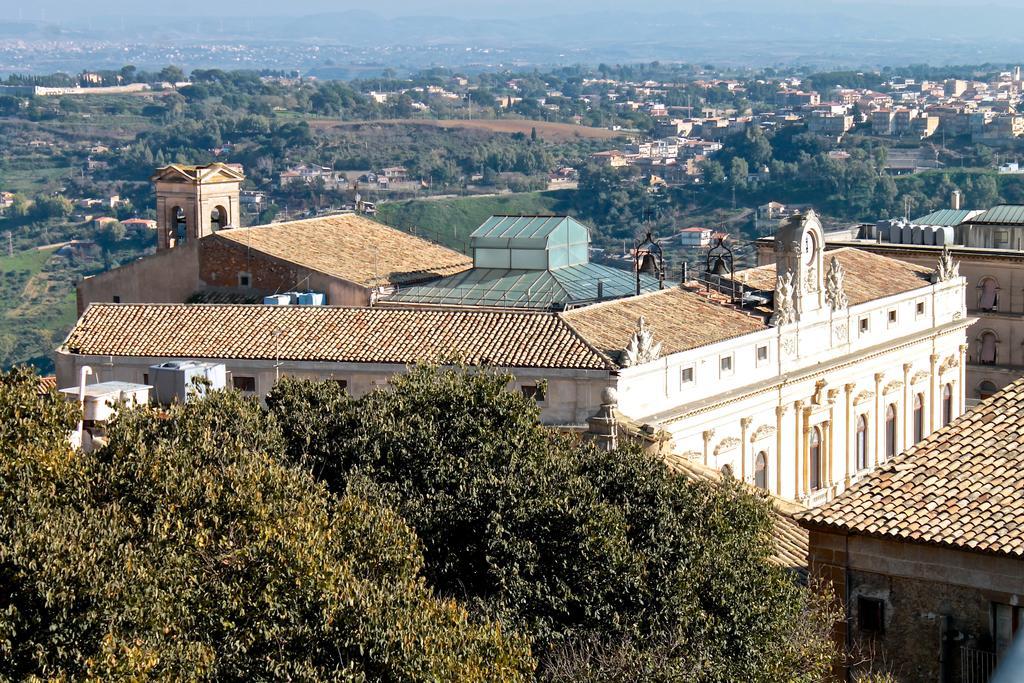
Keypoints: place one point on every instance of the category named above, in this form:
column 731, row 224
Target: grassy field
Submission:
column 37, row 307
column 554, row 132
column 450, row 221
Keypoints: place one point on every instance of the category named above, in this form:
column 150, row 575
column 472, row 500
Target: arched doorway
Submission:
column 219, row 218
column 862, row 442
column 986, row 389
column 890, row 431
column 761, row 470
column 815, row 457
column 989, row 299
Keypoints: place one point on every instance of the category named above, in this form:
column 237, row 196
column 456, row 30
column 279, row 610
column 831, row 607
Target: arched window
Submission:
column 947, row 404
column 815, row 456
column 761, row 470
column 180, row 225
column 862, row 442
column 918, row 417
column 989, row 299
column 890, row 431
column 988, row 348
column 219, row 218
column 986, row 389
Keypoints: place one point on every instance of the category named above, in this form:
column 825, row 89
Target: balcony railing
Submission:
column 976, row 666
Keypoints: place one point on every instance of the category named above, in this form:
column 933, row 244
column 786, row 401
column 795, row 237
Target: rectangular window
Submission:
column 725, row 365
column 244, row 279
column 864, row 325
column 892, row 316
column 117, row 299
column 870, row 615
column 145, row 378
column 1007, row 623
column 762, row 354
column 686, row 375
column 920, row 308
column 342, row 383
column 242, row 383
column 533, row 391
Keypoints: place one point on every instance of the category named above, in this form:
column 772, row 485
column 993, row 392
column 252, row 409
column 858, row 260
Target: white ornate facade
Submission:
column 807, row 406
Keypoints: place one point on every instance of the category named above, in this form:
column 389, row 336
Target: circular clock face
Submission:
column 808, row 248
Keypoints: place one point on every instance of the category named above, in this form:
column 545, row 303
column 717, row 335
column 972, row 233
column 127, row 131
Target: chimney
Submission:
column 600, row 289
column 956, row 200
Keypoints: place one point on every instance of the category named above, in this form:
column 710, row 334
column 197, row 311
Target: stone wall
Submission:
column 166, row 277
column 221, row 262
column 936, row 601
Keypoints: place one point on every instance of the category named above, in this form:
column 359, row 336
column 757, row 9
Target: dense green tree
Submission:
column 575, row 545
column 188, row 549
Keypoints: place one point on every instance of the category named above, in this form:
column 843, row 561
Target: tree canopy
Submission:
column 605, row 553
column 188, row 548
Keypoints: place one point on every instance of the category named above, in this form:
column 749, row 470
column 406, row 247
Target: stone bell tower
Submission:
column 195, row 201
column 799, row 262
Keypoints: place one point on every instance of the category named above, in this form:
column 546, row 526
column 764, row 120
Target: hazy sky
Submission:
column 56, row 10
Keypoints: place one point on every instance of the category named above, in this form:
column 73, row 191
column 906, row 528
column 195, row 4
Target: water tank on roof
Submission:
column 277, row 300
column 917, row 231
column 943, row 235
column 907, row 236
column 311, row 299
column 176, row 380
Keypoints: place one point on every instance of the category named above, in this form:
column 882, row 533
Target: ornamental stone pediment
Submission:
column 762, row 432
column 919, row 377
column 863, row 397
column 725, row 444
column 948, row 364
column 895, row 385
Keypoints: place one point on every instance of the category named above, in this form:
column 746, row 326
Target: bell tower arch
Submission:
column 799, row 253
column 195, row 201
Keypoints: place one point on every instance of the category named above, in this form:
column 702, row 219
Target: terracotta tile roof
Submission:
column 868, row 276
column 328, row 333
column 962, row 487
column 352, row 248
column 47, row 383
column 791, row 541
column 679, row 319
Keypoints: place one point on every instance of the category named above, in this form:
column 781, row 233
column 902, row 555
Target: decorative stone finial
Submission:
column 641, row 348
column 609, row 397
column 835, row 294
column 947, row 268
column 784, row 313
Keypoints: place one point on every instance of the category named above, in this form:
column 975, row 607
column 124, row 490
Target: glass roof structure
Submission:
column 533, row 262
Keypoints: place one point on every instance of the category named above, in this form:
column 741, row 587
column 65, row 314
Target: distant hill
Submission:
column 450, row 221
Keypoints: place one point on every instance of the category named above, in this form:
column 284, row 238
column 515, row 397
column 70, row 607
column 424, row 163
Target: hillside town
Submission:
column 612, row 372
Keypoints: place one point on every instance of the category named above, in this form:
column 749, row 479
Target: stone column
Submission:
column 934, row 394
column 879, row 421
column 806, row 449
column 708, row 435
column 744, row 446
column 780, row 413
column 851, row 435
column 908, row 408
column 799, row 441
